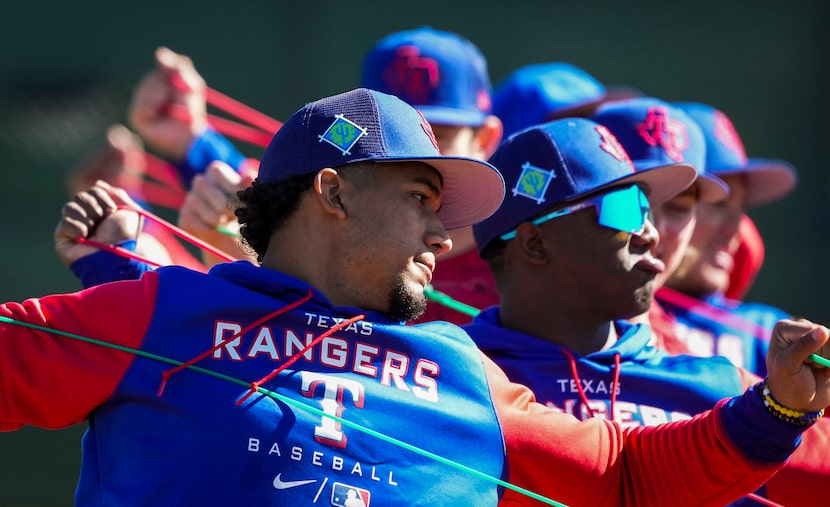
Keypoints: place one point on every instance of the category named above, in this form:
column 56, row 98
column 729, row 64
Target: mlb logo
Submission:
column 343, row 495
column 533, row 182
column 342, row 134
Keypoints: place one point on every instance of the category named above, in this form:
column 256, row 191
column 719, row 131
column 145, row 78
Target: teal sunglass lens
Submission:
column 625, row 209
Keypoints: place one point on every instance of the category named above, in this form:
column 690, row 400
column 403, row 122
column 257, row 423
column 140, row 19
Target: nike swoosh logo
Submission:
column 280, row 484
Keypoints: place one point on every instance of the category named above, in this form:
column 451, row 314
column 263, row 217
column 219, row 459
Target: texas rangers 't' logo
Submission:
column 659, row 129
column 411, row 76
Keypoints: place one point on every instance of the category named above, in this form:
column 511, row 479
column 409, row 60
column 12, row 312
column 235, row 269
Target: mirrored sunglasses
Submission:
column 624, row 209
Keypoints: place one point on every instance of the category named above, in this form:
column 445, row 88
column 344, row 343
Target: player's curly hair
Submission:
column 263, row 208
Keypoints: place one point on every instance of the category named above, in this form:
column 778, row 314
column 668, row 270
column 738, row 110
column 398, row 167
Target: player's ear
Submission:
column 488, row 136
column 531, row 245
column 328, row 185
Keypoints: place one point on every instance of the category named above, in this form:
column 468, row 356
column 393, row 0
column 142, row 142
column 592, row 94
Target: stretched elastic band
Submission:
column 294, row 403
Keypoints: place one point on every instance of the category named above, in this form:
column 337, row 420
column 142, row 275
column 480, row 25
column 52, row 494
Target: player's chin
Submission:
column 407, row 301
column 643, row 297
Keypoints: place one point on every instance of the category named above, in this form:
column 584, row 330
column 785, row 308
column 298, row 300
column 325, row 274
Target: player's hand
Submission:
column 208, row 207
column 169, row 106
column 120, row 161
column 93, row 214
column 793, row 379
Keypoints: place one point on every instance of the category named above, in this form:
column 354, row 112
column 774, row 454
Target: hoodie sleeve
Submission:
column 797, row 483
column 102, row 266
column 808, row 466
column 54, row 381
column 206, row 148
column 596, row 462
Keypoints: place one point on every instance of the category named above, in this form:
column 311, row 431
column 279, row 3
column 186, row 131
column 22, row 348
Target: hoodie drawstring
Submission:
column 165, row 376
column 582, row 396
column 615, row 383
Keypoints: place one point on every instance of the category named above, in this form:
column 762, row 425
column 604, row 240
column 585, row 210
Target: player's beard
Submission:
column 643, row 299
column 406, row 304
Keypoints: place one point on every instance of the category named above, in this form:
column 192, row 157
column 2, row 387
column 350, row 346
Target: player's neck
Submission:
column 584, row 334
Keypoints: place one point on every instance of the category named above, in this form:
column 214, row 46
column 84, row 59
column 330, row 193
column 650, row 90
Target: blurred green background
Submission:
column 67, row 69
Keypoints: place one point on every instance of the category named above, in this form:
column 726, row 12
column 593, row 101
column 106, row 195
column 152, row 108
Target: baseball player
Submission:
column 572, row 248
column 708, row 322
column 294, row 382
column 440, row 73
column 444, row 76
column 655, row 133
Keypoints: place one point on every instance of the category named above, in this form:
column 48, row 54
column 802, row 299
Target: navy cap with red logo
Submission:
column 657, row 134
column 440, row 73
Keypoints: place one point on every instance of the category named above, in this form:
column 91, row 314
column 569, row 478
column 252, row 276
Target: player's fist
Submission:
column 169, row 105
column 93, row 214
column 793, row 379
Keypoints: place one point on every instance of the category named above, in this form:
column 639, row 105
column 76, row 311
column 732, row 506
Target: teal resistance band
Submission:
column 449, row 302
column 297, row 404
column 820, row 360
column 226, row 231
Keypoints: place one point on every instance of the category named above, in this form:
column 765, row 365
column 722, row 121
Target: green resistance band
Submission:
column 449, row 302
column 227, row 232
column 820, row 360
column 296, row 404
column 446, row 300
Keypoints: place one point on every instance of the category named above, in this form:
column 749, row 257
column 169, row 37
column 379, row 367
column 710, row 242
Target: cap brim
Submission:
column 472, row 190
column 622, row 92
column 712, row 188
column 587, row 107
column 766, row 180
column 439, row 115
column 660, row 183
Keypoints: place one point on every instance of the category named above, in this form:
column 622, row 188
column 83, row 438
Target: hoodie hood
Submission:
column 633, row 345
column 632, row 381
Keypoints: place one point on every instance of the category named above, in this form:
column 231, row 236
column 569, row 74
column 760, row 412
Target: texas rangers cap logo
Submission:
column 659, row 129
column 725, row 133
column 411, row 76
column 533, row 182
column 342, row 134
column 427, row 128
column 611, row 145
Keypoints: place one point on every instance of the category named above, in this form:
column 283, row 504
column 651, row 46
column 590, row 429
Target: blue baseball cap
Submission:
column 767, row 180
column 543, row 92
column 366, row 125
column 440, row 73
column 657, row 134
column 562, row 161
column 531, row 94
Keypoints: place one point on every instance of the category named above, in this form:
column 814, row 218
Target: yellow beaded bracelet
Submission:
column 786, row 414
